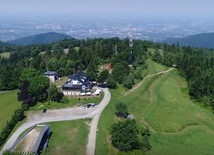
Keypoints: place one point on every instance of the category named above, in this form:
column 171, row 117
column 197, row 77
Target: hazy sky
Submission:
column 133, row 7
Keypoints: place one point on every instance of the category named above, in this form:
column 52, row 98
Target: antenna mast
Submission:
column 130, row 59
column 115, row 45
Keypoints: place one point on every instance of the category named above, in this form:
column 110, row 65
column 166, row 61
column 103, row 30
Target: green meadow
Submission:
column 8, row 104
column 68, row 137
column 178, row 126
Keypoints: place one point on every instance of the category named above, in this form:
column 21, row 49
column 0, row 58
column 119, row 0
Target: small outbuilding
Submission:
column 53, row 76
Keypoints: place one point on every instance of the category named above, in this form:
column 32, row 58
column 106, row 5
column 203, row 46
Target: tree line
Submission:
column 196, row 65
column 82, row 55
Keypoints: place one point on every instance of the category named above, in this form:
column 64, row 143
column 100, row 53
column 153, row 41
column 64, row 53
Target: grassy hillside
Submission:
column 40, row 38
column 154, row 67
column 8, row 104
column 205, row 40
column 178, row 126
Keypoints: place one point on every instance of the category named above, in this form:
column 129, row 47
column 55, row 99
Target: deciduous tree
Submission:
column 124, row 135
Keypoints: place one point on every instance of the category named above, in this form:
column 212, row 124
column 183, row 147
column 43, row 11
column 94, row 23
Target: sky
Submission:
column 113, row 7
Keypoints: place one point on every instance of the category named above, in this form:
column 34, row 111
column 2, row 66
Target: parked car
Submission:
column 93, row 105
column 44, row 110
column 89, row 105
column 84, row 106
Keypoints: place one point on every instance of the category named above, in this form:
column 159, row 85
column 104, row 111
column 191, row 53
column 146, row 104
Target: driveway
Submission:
column 64, row 115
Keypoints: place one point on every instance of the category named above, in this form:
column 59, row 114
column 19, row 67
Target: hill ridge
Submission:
column 40, row 38
column 205, row 40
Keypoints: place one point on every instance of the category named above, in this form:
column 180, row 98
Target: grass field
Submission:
column 155, row 67
column 8, row 104
column 72, row 102
column 5, row 55
column 69, row 137
column 178, row 126
column 105, row 66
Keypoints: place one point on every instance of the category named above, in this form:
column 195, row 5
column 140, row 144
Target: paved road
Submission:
column 91, row 114
column 93, row 131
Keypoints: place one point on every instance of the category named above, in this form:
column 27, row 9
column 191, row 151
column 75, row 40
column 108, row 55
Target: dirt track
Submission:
column 140, row 83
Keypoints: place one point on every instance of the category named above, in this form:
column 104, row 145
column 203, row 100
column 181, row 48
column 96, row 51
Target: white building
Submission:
column 53, row 76
column 76, row 84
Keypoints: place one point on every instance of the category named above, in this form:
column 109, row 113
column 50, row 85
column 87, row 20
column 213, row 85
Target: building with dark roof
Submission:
column 76, row 84
column 53, row 76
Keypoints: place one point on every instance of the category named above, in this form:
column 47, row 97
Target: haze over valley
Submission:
column 82, row 27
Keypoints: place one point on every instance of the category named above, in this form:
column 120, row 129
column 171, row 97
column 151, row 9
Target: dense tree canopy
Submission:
column 24, row 94
column 92, row 70
column 121, row 109
column 82, row 55
column 53, row 93
column 124, row 135
column 120, row 71
column 38, row 87
column 103, row 76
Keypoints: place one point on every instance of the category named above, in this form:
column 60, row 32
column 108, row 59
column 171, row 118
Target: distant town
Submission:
column 144, row 29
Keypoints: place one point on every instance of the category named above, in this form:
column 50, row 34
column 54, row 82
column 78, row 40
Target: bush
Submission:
column 121, row 110
column 7, row 152
column 64, row 100
column 145, row 133
column 59, row 96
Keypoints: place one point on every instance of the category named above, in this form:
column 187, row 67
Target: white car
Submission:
column 84, row 106
column 93, row 105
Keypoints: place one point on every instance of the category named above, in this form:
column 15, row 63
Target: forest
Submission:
column 196, row 65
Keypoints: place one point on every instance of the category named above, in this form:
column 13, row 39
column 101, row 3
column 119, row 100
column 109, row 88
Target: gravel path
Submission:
column 139, row 84
column 64, row 115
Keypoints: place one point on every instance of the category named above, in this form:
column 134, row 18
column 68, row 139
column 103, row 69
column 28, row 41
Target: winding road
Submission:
column 66, row 114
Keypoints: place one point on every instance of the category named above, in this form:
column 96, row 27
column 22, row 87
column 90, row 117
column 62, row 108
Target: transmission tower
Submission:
column 130, row 59
column 115, row 45
column 115, row 50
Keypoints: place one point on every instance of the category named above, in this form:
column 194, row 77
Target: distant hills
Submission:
column 40, row 38
column 205, row 40
column 3, row 44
